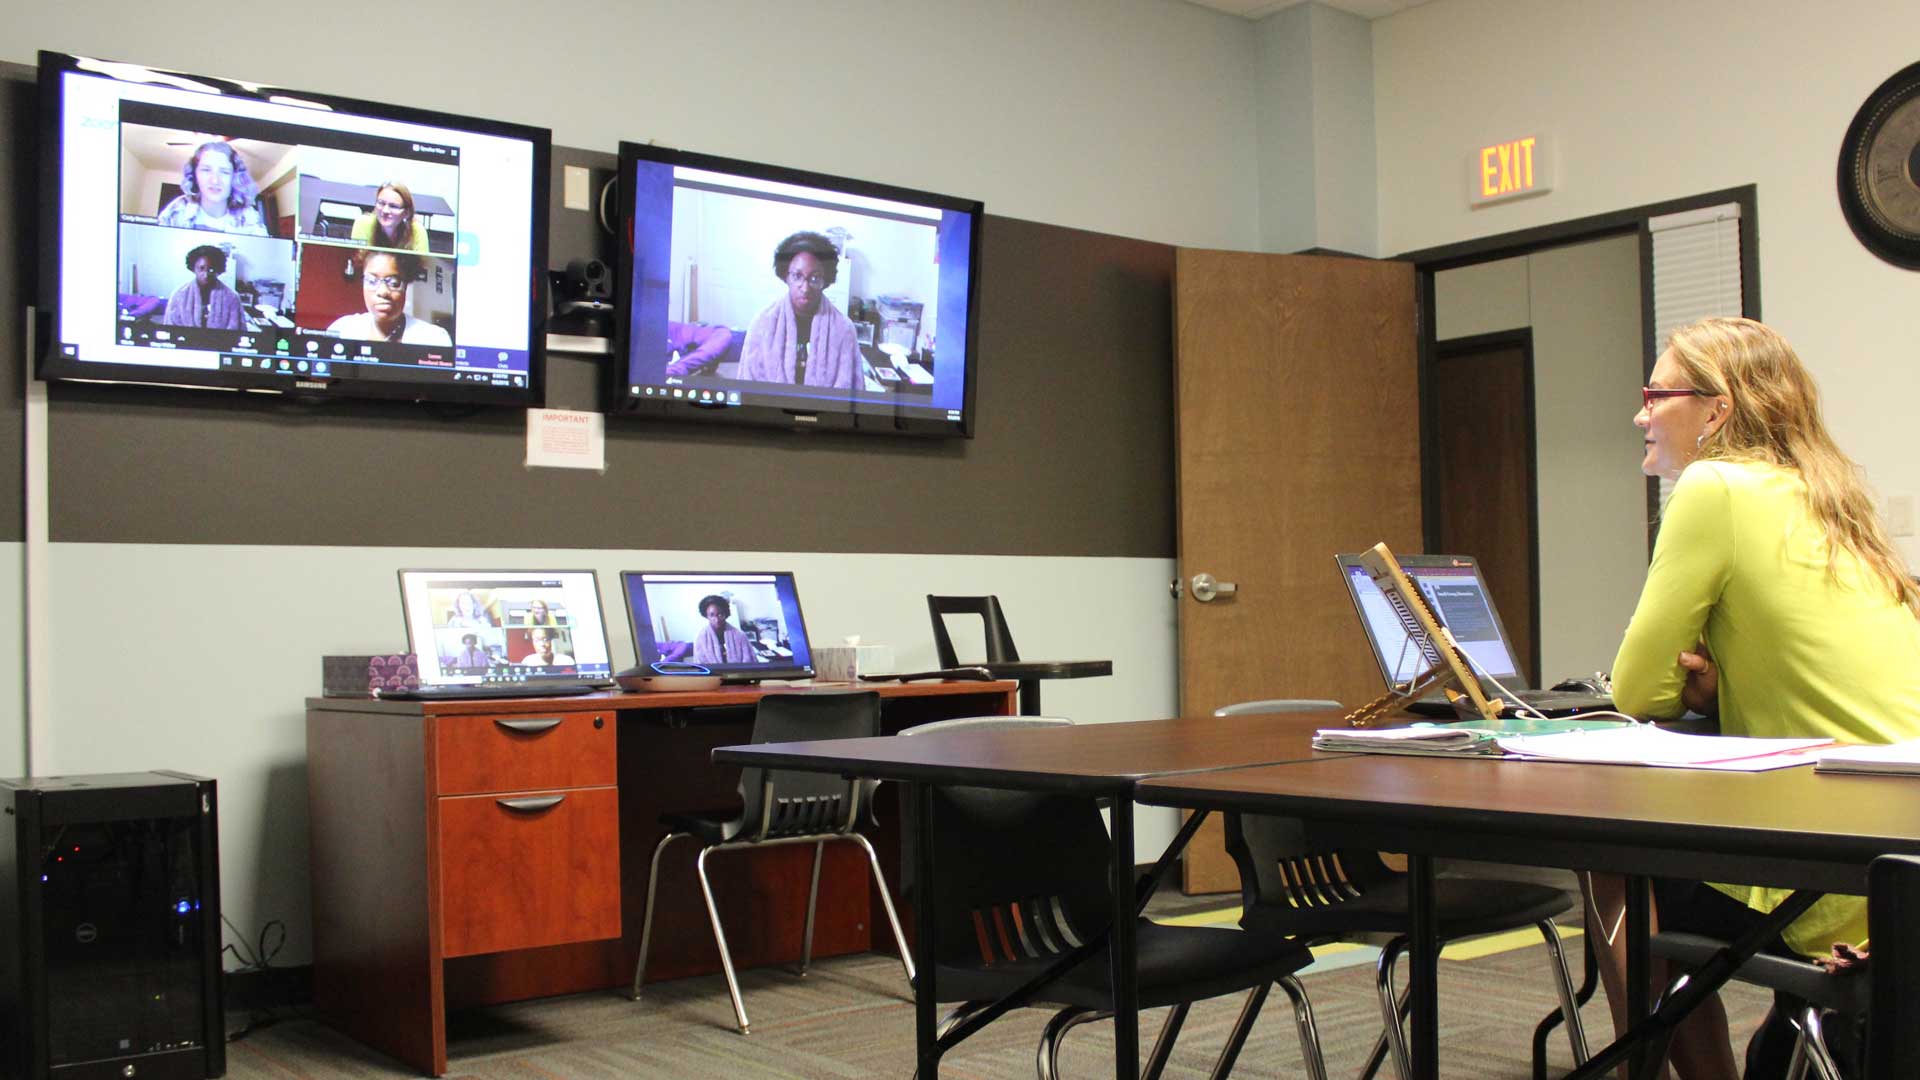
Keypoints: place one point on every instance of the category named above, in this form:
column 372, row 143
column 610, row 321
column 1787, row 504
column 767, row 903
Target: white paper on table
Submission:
column 1644, row 744
column 566, row 439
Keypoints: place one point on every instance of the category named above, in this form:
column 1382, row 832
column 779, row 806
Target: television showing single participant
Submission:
column 777, row 296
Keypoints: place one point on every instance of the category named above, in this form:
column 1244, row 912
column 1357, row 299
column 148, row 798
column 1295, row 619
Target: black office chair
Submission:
column 999, row 639
column 782, row 807
column 1292, row 885
column 1022, row 879
column 1814, row 996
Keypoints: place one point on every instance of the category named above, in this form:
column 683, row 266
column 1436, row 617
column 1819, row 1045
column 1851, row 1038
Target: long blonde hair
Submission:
column 1775, row 419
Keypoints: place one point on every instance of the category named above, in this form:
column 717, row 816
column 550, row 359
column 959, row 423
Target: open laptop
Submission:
column 743, row 626
column 1458, row 596
column 505, row 633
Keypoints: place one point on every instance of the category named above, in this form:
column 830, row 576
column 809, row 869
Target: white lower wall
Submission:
column 200, row 658
column 13, row 670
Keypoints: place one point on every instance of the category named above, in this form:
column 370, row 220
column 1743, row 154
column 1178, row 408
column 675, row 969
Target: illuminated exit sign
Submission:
column 1511, row 170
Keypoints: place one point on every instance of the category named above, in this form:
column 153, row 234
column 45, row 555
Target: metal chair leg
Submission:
column 1156, row 1062
column 1377, row 1056
column 813, row 898
column 1389, row 1011
column 720, row 939
column 1237, row 1038
column 1563, row 985
column 886, row 902
column 1816, row 1051
column 1310, row 1053
column 1047, row 1061
column 646, row 923
column 1798, row 1061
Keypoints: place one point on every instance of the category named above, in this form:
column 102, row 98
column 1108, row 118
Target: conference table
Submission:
column 1789, row 828
column 1097, row 760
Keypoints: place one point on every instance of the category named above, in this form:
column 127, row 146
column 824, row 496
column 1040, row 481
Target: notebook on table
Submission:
column 742, row 626
column 1458, row 596
column 505, row 633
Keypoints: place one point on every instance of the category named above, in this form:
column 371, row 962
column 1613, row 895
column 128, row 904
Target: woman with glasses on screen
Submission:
column 1774, row 601
column 801, row 339
column 390, row 224
column 384, row 279
column 216, row 193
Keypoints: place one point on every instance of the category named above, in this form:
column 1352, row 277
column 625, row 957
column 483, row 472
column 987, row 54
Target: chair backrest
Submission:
column 1018, row 873
column 1275, row 705
column 1282, row 866
column 999, row 639
column 803, row 803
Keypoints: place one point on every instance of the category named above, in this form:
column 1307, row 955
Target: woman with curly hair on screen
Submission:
column 216, row 193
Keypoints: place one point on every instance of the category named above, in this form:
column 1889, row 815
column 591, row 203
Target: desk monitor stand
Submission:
column 1447, row 670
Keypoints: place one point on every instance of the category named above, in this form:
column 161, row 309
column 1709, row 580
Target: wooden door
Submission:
column 1483, row 476
column 1299, row 438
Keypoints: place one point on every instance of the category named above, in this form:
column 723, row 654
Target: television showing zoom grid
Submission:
column 218, row 234
column 759, row 294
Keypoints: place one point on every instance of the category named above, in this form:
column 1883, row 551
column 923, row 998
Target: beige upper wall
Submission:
column 1651, row 100
column 1131, row 117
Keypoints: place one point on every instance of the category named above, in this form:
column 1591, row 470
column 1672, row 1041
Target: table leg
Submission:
column 1120, row 946
column 1639, row 927
column 1030, row 697
column 1423, row 961
column 925, row 1002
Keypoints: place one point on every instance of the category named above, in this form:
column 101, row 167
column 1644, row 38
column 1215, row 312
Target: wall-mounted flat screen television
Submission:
column 764, row 295
column 208, row 233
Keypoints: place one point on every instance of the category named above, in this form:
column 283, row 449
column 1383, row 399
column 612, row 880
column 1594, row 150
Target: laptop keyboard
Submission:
column 496, row 690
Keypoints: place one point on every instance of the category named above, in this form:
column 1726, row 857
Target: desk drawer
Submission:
column 529, row 869
column 475, row 754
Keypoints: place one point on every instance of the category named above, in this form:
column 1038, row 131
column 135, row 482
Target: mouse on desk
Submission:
column 1583, row 686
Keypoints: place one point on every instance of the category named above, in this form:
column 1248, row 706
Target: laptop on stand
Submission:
column 504, row 633
column 743, row 627
column 1458, row 596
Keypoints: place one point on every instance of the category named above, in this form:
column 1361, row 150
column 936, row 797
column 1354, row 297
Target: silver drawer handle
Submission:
column 530, row 727
column 532, row 804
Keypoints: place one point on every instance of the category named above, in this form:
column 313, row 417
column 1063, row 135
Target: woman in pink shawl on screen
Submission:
column 801, row 339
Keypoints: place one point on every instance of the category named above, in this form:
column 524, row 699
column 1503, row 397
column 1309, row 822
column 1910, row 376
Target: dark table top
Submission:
column 1097, row 758
column 1787, row 827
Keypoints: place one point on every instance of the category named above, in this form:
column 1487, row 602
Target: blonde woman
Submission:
column 1775, row 601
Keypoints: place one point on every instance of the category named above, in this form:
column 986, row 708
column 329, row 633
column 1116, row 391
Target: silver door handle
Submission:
column 1205, row 588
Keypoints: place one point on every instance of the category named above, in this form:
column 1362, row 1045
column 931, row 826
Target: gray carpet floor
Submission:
column 853, row 1017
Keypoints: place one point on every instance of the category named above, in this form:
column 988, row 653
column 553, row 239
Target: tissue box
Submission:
column 845, row 663
column 360, row 676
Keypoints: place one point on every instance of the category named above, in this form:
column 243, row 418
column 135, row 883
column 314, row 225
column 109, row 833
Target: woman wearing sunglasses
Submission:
column 1775, row 602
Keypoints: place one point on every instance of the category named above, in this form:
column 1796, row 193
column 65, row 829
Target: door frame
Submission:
column 1632, row 221
column 1520, row 338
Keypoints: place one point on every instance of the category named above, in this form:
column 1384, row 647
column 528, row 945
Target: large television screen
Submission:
column 218, row 234
column 766, row 295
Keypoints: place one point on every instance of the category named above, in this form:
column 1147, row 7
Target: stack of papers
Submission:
column 1420, row 739
column 1900, row 757
column 1644, row 744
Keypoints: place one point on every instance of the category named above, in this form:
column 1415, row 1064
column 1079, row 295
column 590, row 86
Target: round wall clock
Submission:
column 1880, row 170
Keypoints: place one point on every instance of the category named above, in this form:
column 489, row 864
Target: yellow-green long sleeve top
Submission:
column 1801, row 651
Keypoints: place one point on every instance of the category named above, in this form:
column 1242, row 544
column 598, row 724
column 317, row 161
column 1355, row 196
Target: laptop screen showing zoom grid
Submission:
column 1458, row 597
column 500, row 627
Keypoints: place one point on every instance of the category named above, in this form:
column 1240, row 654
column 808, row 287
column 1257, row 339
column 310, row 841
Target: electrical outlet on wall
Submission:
column 1899, row 514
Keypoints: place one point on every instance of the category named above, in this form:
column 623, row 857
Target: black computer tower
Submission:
column 110, row 911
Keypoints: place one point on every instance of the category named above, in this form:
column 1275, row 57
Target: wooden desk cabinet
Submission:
column 474, row 852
